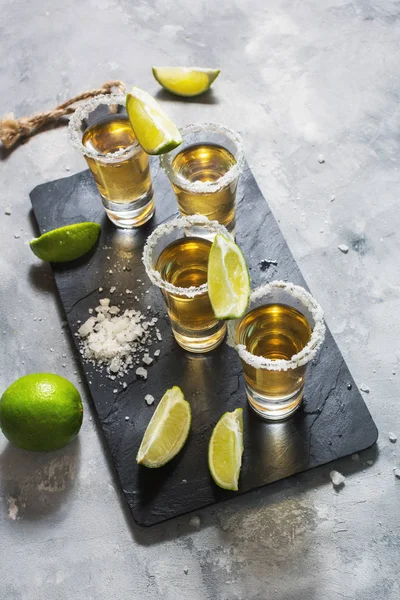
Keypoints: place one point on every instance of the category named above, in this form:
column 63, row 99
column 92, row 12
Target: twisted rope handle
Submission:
column 12, row 130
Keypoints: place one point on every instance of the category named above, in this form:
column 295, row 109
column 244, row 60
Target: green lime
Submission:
column 185, row 81
column 153, row 128
column 167, row 431
column 225, row 450
column 66, row 243
column 228, row 279
column 41, row 412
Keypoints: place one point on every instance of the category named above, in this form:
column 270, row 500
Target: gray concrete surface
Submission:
column 298, row 79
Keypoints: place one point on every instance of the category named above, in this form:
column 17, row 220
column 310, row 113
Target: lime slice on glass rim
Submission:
column 228, row 279
column 185, row 81
column 167, row 431
column 153, row 128
column 225, row 450
column 66, row 243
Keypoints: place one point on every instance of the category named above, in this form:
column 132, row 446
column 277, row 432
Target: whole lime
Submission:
column 41, row 412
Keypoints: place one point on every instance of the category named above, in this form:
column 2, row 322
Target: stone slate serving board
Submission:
column 333, row 423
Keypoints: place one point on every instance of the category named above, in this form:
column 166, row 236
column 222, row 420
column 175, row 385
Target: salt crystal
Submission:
column 159, row 336
column 100, row 289
column 364, row 388
column 337, row 478
column 115, row 391
column 141, row 372
column 124, row 385
column 195, row 522
column 7, row 211
column 343, row 248
column 397, row 473
column 112, row 289
column 127, row 418
column 149, row 307
column 184, row 481
column 393, row 437
column 147, row 360
column 157, row 352
column 130, row 292
column 185, row 570
column 104, row 301
column 149, row 399
column 321, row 158
column 332, row 198
column 17, row 236
column 90, row 311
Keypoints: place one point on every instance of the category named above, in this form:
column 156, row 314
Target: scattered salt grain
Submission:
column 147, row 360
column 392, row 437
column 185, row 570
column 90, row 311
column 332, row 198
column 112, row 289
column 364, row 388
column 126, row 418
column 7, row 211
column 159, row 336
column 141, row 372
column 321, row 158
column 157, row 352
column 115, row 391
column 124, row 385
column 337, row 478
column 149, row 307
column 149, row 399
column 100, row 289
column 17, row 236
column 195, row 522
column 343, row 248
column 396, row 473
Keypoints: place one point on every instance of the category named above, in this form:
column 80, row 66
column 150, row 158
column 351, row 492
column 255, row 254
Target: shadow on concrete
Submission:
column 37, row 484
column 207, row 98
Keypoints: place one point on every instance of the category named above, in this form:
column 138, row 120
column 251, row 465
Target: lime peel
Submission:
column 167, row 430
column 225, row 450
column 185, row 81
column 228, row 279
column 153, row 128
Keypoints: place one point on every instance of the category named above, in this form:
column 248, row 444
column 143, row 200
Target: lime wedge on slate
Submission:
column 66, row 243
column 153, row 128
column 167, row 431
column 185, row 81
column 225, row 450
column 228, row 279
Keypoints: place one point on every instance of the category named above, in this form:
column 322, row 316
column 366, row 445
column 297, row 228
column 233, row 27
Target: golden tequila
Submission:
column 183, row 263
column 205, row 162
column 275, row 332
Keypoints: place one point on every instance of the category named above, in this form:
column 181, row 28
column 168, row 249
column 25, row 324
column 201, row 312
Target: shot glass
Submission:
column 119, row 165
column 276, row 339
column 204, row 172
column 177, row 264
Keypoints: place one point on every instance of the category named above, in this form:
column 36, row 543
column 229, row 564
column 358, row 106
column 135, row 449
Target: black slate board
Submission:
column 333, row 423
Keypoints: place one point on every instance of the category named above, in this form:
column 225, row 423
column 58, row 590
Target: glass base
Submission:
column 192, row 342
column 274, row 409
column 129, row 215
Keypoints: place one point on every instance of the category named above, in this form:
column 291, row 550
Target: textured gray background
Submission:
column 298, row 79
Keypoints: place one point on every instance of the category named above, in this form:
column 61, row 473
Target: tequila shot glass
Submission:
column 177, row 263
column 101, row 132
column 204, row 172
column 276, row 339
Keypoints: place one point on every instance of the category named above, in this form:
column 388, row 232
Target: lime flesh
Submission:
column 185, row 81
column 167, row 431
column 228, row 279
column 225, row 450
column 41, row 412
column 153, row 128
column 66, row 243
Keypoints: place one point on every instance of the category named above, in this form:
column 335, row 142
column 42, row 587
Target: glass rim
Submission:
column 165, row 229
column 206, row 187
column 307, row 353
column 81, row 113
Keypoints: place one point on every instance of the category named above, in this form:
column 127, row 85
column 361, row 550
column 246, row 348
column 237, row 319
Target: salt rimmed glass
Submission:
column 276, row 339
column 100, row 130
column 204, row 171
column 177, row 264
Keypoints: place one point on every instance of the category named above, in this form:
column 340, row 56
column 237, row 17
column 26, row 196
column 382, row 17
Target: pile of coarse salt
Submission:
column 113, row 341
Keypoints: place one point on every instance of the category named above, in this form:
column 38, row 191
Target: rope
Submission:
column 12, row 130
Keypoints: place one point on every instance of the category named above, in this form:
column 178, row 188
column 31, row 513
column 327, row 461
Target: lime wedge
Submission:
column 153, row 128
column 185, row 81
column 66, row 243
column 225, row 450
column 167, row 431
column 228, row 279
